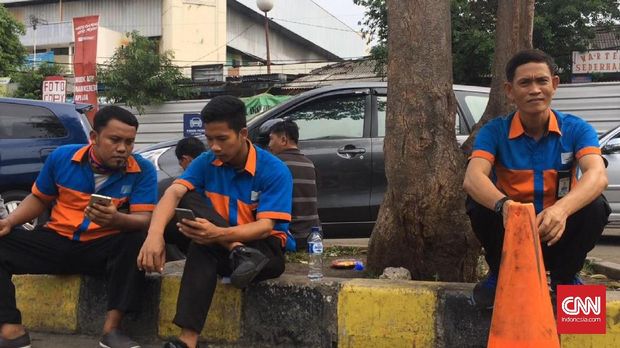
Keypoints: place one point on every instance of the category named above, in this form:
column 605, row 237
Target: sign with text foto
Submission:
column 54, row 89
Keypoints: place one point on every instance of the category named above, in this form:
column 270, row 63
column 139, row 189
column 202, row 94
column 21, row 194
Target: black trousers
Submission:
column 565, row 258
column 42, row 251
column 205, row 262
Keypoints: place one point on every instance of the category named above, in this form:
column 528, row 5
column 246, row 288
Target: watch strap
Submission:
column 500, row 204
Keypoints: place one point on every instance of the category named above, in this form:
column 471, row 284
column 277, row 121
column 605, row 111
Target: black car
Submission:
column 29, row 131
column 341, row 129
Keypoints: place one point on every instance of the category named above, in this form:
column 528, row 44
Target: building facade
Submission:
column 209, row 38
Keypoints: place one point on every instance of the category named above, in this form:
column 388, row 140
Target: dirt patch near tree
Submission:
column 297, row 264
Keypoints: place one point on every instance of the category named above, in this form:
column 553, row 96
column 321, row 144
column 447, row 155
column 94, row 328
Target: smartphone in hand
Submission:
column 182, row 213
column 99, row 199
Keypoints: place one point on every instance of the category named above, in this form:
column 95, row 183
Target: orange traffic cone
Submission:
column 522, row 313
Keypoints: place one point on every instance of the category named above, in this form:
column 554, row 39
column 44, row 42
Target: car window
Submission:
column 19, row 121
column 381, row 109
column 331, row 118
column 476, row 105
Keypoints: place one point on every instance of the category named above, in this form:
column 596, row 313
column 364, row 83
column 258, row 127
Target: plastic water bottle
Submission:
column 315, row 253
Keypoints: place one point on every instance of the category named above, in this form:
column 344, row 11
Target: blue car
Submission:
column 29, row 131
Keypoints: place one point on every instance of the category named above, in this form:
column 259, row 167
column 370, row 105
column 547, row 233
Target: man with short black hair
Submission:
column 283, row 139
column 81, row 238
column 532, row 156
column 188, row 149
column 251, row 190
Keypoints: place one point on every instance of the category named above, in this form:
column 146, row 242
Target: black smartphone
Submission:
column 182, row 213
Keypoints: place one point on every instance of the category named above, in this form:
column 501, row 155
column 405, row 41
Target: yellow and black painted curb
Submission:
column 292, row 311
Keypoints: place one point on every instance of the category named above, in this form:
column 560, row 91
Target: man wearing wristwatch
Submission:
column 532, row 156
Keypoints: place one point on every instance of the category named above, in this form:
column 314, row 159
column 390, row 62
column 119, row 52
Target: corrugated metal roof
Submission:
column 347, row 71
column 118, row 15
column 606, row 38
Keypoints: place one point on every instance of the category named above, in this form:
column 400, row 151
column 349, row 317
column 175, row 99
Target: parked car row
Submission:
column 341, row 130
column 29, row 131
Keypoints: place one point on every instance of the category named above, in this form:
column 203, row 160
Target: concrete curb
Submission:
column 610, row 269
column 290, row 312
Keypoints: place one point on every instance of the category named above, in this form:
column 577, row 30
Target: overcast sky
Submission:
column 345, row 10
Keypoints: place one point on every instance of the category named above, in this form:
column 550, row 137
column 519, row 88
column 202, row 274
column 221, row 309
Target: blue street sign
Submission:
column 192, row 125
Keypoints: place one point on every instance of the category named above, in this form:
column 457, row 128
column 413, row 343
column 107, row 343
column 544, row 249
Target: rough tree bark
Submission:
column 422, row 224
column 513, row 33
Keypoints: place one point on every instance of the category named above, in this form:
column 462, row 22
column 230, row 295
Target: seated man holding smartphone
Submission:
column 247, row 186
column 86, row 186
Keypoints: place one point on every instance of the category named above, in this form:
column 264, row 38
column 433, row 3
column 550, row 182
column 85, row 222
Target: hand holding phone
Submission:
column 99, row 199
column 182, row 213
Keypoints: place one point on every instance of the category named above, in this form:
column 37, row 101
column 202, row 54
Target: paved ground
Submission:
column 608, row 248
column 45, row 340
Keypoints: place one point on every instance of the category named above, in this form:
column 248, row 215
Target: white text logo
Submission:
column 574, row 305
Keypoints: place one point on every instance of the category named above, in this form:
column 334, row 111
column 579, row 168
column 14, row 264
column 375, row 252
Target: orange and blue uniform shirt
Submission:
column 67, row 180
column 263, row 189
column 527, row 170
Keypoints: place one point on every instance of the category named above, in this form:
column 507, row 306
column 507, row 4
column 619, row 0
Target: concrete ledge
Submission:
column 224, row 319
column 48, row 303
column 290, row 312
column 387, row 314
column 610, row 269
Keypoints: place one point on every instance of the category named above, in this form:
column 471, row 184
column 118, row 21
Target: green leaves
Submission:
column 560, row 27
column 30, row 79
column 12, row 53
column 138, row 75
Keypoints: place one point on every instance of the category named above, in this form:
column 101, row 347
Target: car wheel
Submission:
column 12, row 199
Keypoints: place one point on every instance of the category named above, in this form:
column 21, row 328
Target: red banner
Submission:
column 85, row 61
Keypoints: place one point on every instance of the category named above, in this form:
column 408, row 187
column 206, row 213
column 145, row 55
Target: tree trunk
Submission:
column 513, row 33
column 422, row 224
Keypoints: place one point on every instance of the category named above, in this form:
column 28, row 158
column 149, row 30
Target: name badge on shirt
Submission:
column 567, row 157
column 254, row 196
column 126, row 189
column 563, row 184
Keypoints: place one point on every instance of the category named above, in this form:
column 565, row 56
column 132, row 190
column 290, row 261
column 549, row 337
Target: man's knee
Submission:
column 595, row 214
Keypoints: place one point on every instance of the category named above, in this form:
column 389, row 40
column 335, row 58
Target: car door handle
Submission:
column 350, row 151
column 45, row 152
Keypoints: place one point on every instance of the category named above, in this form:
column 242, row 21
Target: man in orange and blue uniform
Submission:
column 244, row 185
column 532, row 156
column 80, row 238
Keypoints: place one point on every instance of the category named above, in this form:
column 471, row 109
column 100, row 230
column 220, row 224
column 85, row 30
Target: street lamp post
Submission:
column 34, row 21
column 266, row 6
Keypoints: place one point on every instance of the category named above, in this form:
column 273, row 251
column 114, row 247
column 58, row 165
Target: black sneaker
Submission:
column 115, row 339
column 177, row 343
column 22, row 341
column 484, row 292
column 575, row 280
column 246, row 264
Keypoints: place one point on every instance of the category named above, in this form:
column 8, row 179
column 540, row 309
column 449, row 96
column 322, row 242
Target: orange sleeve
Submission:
column 483, row 154
column 41, row 195
column 184, row 183
column 275, row 215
